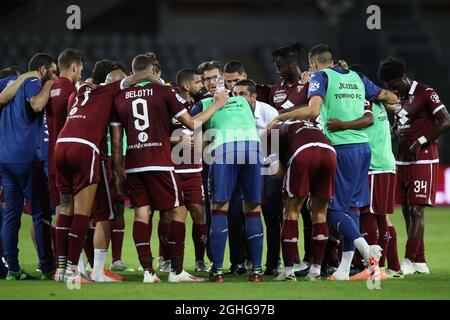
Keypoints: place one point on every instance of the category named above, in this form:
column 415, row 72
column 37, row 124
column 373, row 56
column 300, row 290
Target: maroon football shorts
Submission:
column 382, row 193
column 77, row 166
column 103, row 209
column 192, row 186
column 416, row 184
column 161, row 190
column 311, row 172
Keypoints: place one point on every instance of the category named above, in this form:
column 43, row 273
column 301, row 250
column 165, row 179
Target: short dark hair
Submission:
column 322, row 53
column 10, row 71
column 290, row 52
column 101, row 70
column 68, row 57
column 208, row 65
column 141, row 62
column 234, row 66
column 185, row 75
column 391, row 68
column 250, row 84
column 119, row 66
column 361, row 69
column 39, row 60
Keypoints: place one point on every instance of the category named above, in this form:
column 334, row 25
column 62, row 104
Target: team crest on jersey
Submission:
column 73, row 111
column 143, row 137
column 314, row 85
column 435, row 98
column 279, row 97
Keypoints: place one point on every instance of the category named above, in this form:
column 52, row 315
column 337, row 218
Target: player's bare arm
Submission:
column 10, row 91
column 39, row 101
column 442, row 124
column 116, row 154
column 388, row 97
column 365, row 121
column 311, row 111
column 220, row 99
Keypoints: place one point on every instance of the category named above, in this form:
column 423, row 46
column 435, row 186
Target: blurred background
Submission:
column 184, row 33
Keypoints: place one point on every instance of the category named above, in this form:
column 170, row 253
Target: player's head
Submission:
column 233, row 71
column 209, row 71
column 286, row 61
column 45, row 66
column 115, row 75
column 189, row 80
column 246, row 88
column 10, row 71
column 156, row 64
column 143, row 63
column 119, row 66
column 320, row 57
column 71, row 62
column 101, row 70
column 392, row 72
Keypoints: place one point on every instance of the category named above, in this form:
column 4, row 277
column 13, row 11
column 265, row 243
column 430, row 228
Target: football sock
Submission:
column 420, row 256
column 177, row 234
column 412, row 247
column 369, row 228
column 62, row 228
column 319, row 242
column 218, row 236
column 77, row 236
column 289, row 241
column 141, row 237
column 383, row 237
column 117, row 234
column 99, row 261
column 255, row 237
column 199, row 237
column 307, row 232
column 392, row 254
column 163, row 233
column 89, row 246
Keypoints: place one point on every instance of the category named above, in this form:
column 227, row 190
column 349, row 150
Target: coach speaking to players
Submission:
column 338, row 93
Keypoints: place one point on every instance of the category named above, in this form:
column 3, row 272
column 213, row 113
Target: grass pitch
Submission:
column 433, row 286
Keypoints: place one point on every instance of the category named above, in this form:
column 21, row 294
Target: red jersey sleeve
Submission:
column 175, row 103
column 432, row 101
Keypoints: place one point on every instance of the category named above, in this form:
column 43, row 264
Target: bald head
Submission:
column 115, row 75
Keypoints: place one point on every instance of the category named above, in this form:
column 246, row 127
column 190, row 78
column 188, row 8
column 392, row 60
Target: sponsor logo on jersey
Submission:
column 55, row 92
column 279, row 97
column 143, row 137
column 435, row 98
column 314, row 85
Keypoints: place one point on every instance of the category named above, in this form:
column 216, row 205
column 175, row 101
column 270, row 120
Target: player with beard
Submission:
column 149, row 166
column 420, row 121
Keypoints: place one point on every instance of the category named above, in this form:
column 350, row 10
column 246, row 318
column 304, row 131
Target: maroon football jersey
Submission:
column 146, row 112
column 414, row 120
column 283, row 96
column 190, row 166
column 298, row 135
column 56, row 111
column 89, row 114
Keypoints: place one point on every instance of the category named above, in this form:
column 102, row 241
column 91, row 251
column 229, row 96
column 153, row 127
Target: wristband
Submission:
column 422, row 140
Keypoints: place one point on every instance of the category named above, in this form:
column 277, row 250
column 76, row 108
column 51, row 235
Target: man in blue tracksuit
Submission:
column 20, row 128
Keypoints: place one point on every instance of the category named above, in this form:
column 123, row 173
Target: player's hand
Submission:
column 334, row 124
column 272, row 123
column 221, row 98
column 415, row 148
column 306, row 76
column 187, row 141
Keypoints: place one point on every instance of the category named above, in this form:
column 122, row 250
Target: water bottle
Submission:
column 220, row 83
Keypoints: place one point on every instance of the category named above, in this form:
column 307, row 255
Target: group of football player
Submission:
column 213, row 143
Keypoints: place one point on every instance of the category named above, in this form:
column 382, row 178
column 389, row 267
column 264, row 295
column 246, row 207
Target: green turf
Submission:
column 433, row 286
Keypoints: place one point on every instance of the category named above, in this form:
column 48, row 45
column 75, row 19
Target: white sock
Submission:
column 99, row 261
column 81, row 266
column 315, row 269
column 346, row 262
column 363, row 247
